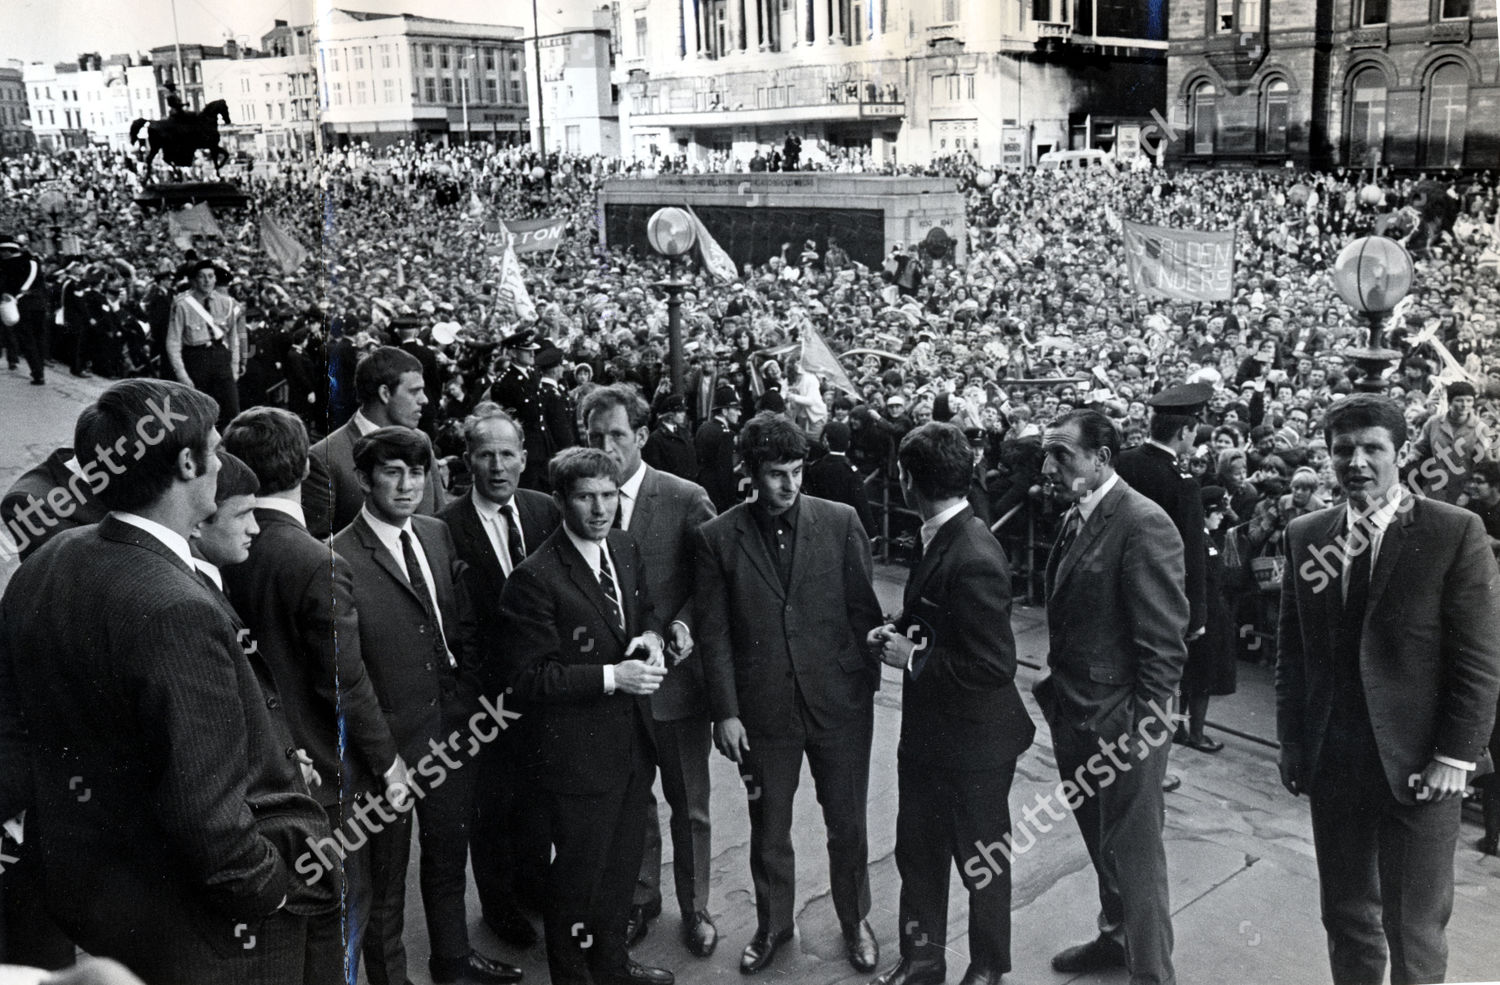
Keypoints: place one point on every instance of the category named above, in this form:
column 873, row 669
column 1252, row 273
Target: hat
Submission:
column 524, row 339
column 235, row 478
column 207, row 264
column 444, row 332
column 672, row 403
column 8, row 242
column 408, row 321
column 836, row 436
column 1461, row 388
column 726, row 396
column 1214, row 497
column 548, row 355
column 1187, row 399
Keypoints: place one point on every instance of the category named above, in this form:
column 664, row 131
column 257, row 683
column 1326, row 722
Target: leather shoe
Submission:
column 861, row 946
column 1170, row 783
column 1204, row 744
column 639, row 923
column 761, row 949
column 635, row 973
column 699, row 934
column 472, row 967
column 1099, row 954
column 981, row 976
column 512, row 927
column 909, row 972
column 1180, row 736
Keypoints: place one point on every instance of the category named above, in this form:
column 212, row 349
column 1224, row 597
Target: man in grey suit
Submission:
column 1385, row 696
column 391, row 392
column 1117, row 615
column 662, row 513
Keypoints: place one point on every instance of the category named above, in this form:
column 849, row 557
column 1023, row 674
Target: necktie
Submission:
column 514, row 545
column 620, row 513
column 419, row 583
column 1064, row 543
column 1361, row 546
column 607, row 583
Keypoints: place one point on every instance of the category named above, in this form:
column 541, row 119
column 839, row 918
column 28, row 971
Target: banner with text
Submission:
column 535, row 235
column 1183, row 264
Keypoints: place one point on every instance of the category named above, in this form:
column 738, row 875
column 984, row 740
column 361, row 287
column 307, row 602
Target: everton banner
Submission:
column 534, row 235
column 1183, row 264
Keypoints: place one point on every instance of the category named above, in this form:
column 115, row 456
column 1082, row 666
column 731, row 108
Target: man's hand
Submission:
column 731, row 740
column 1441, row 781
column 1290, row 764
column 681, row 646
column 652, row 644
column 309, row 771
column 639, row 677
column 397, row 781
column 895, row 649
column 1196, row 633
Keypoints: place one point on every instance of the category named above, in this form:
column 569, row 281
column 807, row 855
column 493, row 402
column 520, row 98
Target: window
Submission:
column 1447, row 116
column 1369, row 13
column 1453, row 9
column 447, row 90
column 1204, row 116
column 426, row 56
column 1250, row 15
column 640, row 37
column 361, row 96
column 489, row 59
column 333, row 59
column 1367, row 118
column 952, row 11
column 491, row 91
column 388, row 88
column 515, row 90
column 385, row 56
column 271, row 116
column 359, row 58
column 968, row 83
column 429, row 90
column 1276, row 101
column 443, row 56
column 338, row 94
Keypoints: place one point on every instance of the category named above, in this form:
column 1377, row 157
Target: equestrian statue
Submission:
column 183, row 133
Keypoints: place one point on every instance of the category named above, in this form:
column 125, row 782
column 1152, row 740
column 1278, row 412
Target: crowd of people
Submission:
column 491, row 472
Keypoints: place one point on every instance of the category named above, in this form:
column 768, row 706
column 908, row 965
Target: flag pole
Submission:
column 177, row 44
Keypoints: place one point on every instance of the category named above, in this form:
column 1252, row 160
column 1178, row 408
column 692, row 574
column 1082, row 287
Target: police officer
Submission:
column 517, row 391
column 21, row 277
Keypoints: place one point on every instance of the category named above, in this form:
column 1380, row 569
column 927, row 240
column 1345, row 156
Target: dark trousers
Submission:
column 840, row 761
column 1385, row 872
column 208, row 367
column 28, row 337
column 28, row 934
column 942, row 817
column 682, row 748
column 334, row 940
column 508, row 840
column 597, row 840
column 443, row 813
column 1121, row 825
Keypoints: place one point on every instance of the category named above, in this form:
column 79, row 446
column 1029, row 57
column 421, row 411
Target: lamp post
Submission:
column 54, row 204
column 672, row 233
column 463, row 89
column 1372, row 274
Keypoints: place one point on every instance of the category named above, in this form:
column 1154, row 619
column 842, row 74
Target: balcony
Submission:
column 679, row 102
column 1053, row 31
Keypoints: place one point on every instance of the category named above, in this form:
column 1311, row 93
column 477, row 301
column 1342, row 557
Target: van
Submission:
column 1075, row 160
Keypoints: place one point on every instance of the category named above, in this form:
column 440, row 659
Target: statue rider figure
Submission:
column 176, row 112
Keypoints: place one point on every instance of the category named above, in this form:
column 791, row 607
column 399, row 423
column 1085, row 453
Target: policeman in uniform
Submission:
column 205, row 339
column 1152, row 469
column 21, row 277
column 559, row 415
column 517, row 392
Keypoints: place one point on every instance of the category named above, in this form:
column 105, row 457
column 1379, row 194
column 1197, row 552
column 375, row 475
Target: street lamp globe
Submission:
column 671, row 232
column 1372, row 274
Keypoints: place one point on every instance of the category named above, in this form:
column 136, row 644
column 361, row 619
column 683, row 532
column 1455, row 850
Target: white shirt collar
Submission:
column 389, row 534
column 632, row 486
column 590, row 549
column 489, row 509
column 1089, row 500
column 291, row 509
column 211, row 570
column 1380, row 518
column 170, row 538
column 363, row 424
column 931, row 527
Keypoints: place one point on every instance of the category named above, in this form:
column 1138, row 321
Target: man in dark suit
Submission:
column 30, row 520
column 494, row 528
column 785, row 603
column 834, row 477
column 408, row 330
column 962, row 721
column 391, row 394
column 662, row 513
column 714, row 444
column 671, row 446
column 416, row 636
column 1116, row 618
column 297, row 600
column 1388, row 667
column 559, row 416
column 585, row 652
column 165, row 816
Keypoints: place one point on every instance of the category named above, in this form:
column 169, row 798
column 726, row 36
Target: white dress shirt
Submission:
column 211, row 570
column 1089, row 500
column 363, row 424
column 496, row 529
column 390, row 538
column 593, row 551
column 173, row 540
column 630, row 494
column 931, row 527
column 291, row 509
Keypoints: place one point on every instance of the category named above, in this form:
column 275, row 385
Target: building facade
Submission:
column 1401, row 83
column 189, row 79
column 272, row 104
column 15, row 118
column 579, row 108
column 87, row 102
column 903, row 80
column 387, row 77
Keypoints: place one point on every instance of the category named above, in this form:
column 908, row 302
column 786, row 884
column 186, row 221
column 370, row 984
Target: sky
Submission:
column 58, row 30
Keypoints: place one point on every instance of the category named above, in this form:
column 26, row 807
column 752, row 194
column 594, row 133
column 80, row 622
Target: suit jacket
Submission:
column 296, row 597
column 42, row 522
column 331, row 496
column 714, row 444
column 669, row 511
column 762, row 643
column 1116, row 618
column 1153, row 473
column 556, row 620
column 835, row 477
column 559, row 417
column 409, row 677
column 1429, row 650
column 960, row 709
column 483, row 576
column 154, row 773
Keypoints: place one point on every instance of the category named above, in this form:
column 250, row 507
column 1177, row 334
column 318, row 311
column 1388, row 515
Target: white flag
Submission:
column 715, row 260
column 514, row 297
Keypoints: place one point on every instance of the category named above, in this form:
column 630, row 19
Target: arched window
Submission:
column 1367, row 118
column 1447, row 114
column 1203, row 112
column 1275, row 101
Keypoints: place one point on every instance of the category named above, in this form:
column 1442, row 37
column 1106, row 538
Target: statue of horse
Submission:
column 182, row 134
